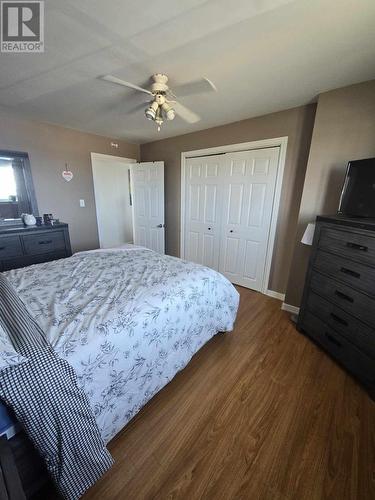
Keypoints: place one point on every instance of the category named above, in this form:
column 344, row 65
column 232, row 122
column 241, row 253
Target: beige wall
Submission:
column 49, row 148
column 296, row 123
column 344, row 130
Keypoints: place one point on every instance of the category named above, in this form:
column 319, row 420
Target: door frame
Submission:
column 282, row 143
column 101, row 157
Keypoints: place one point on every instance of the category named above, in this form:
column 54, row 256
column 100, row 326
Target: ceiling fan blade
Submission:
column 118, row 81
column 137, row 108
column 186, row 114
column 195, row 87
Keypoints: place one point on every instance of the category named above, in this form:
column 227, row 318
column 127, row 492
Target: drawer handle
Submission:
column 332, row 339
column 339, row 320
column 355, row 246
column 45, row 242
column 345, row 270
column 343, row 296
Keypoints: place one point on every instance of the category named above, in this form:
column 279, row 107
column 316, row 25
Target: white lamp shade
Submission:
column 308, row 235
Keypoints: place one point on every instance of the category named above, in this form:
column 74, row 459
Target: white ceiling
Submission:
column 263, row 55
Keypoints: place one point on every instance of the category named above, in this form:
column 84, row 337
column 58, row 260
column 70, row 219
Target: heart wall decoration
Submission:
column 67, row 175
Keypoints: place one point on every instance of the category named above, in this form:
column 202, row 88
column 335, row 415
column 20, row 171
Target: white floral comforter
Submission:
column 126, row 320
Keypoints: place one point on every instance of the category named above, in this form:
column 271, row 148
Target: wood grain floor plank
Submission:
column 259, row 414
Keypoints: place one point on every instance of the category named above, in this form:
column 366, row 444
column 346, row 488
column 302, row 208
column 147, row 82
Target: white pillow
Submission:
column 8, row 356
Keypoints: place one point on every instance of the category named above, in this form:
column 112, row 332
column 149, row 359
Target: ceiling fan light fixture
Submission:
column 159, row 118
column 152, row 110
column 169, row 111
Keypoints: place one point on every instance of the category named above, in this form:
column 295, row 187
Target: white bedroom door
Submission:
column 249, row 188
column 204, row 189
column 147, row 181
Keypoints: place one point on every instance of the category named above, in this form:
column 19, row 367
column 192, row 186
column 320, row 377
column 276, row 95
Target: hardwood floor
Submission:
column 258, row 414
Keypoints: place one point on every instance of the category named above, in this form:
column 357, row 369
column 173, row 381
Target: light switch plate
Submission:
column 82, row 203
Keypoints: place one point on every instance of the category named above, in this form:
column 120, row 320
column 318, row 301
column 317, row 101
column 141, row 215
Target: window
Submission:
column 16, row 187
column 8, row 189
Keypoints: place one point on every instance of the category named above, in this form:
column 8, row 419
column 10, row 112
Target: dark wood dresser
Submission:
column 22, row 246
column 338, row 305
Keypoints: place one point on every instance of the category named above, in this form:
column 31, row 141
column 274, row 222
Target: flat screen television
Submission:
column 358, row 193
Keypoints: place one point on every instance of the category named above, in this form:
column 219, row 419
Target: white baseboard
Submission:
column 276, row 295
column 290, row 308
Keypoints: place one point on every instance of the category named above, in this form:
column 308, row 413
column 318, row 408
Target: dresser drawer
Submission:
column 356, row 303
column 355, row 246
column 51, row 241
column 340, row 348
column 352, row 273
column 29, row 260
column 352, row 329
column 10, row 246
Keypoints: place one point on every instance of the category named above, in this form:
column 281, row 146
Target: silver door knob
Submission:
column 159, row 225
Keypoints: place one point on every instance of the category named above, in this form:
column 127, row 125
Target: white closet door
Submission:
column 148, row 205
column 249, row 188
column 203, row 209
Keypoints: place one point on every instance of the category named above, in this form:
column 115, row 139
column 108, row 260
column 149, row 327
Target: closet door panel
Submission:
column 231, row 250
column 208, row 251
column 249, row 186
column 192, row 246
column 256, row 205
column 250, row 260
column 194, row 202
column 235, row 201
column 210, row 204
column 203, row 210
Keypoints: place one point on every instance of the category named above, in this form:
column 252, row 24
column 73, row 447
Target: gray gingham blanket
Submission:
column 45, row 396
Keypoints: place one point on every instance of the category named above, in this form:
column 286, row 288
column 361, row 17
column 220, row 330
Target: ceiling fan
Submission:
column 162, row 103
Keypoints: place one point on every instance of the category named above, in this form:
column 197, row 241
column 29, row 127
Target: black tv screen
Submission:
column 358, row 194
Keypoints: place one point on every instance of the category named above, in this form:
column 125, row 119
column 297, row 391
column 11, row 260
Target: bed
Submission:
column 127, row 320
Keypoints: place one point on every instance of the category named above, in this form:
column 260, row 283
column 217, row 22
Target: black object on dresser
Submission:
column 338, row 305
column 22, row 246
